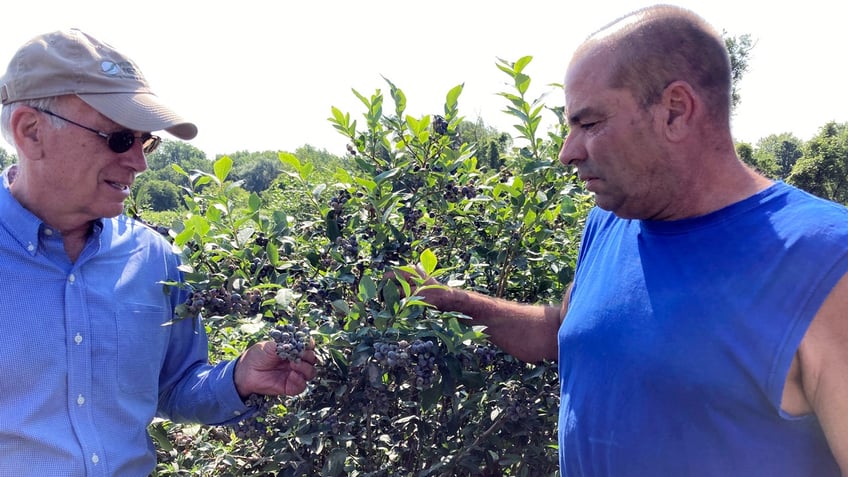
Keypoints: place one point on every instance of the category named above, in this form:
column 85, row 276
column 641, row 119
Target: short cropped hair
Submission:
column 658, row 45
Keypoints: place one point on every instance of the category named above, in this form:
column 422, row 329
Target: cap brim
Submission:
column 140, row 112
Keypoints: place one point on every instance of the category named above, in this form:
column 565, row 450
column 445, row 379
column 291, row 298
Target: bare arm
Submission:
column 527, row 332
column 822, row 371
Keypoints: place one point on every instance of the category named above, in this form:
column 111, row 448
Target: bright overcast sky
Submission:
column 263, row 75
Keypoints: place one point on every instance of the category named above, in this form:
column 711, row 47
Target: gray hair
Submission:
column 41, row 103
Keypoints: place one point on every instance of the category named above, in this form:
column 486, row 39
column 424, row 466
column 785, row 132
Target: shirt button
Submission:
column 78, row 338
column 72, row 278
column 80, row 400
column 30, row 247
column 48, row 232
column 94, row 458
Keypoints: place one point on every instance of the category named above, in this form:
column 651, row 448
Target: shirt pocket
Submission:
column 142, row 341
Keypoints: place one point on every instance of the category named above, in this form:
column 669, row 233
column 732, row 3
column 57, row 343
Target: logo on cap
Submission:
column 123, row 69
column 110, row 68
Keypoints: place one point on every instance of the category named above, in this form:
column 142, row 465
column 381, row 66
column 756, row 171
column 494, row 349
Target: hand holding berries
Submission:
column 262, row 370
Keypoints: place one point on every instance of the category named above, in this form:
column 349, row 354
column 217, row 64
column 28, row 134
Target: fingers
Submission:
column 309, row 356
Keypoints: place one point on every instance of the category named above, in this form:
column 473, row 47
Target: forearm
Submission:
column 527, row 332
column 190, row 389
column 206, row 395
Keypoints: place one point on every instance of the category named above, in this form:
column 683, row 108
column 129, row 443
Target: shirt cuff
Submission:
column 228, row 395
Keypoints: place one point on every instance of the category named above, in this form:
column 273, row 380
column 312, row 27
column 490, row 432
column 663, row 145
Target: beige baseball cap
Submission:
column 73, row 62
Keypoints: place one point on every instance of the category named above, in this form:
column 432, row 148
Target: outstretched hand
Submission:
column 260, row 370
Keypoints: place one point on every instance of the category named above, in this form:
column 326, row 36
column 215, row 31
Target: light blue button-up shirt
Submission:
column 89, row 352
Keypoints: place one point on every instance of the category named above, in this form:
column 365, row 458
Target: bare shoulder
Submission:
column 822, row 366
column 825, row 345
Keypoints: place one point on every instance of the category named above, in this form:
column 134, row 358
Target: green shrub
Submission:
column 403, row 390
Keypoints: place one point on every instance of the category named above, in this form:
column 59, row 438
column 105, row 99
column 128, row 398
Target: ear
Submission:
column 27, row 128
column 680, row 102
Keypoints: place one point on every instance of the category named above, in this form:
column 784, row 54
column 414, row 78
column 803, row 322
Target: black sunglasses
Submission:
column 120, row 141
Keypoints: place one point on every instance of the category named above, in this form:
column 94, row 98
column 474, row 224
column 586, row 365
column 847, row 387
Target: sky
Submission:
column 264, row 75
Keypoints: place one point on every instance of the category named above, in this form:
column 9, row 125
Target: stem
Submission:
column 494, row 427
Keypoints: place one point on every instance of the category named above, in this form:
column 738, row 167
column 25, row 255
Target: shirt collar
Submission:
column 22, row 224
column 18, row 221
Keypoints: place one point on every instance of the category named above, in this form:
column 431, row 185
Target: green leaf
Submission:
column 367, row 183
column 428, row 261
column 414, row 125
column 307, row 170
column 183, row 237
column 199, row 225
column 202, row 180
column 430, row 397
column 367, row 288
column 362, row 98
column 522, row 83
column 215, row 213
column 340, row 117
column 391, row 295
column 334, row 466
column 160, row 435
column 273, row 253
column 505, row 66
column 387, row 175
column 343, row 176
column 332, row 225
column 529, row 218
column 522, row 62
column 290, row 159
column 453, row 97
column 341, row 306
column 222, row 168
column 179, row 169
column 568, row 206
column 254, row 202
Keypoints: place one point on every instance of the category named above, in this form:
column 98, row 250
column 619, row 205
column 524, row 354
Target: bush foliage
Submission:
column 402, row 389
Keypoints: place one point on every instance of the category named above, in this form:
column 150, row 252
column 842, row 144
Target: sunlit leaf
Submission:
column 222, row 168
column 428, row 261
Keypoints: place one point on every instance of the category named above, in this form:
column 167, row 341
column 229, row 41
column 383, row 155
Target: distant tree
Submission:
column 258, row 174
column 739, row 48
column 746, row 153
column 160, row 195
column 178, row 152
column 765, row 165
column 6, row 158
column 774, row 155
column 781, row 151
column 493, row 156
column 255, row 169
column 159, row 164
column 489, row 144
column 286, row 191
column 787, row 154
column 823, row 168
column 324, row 162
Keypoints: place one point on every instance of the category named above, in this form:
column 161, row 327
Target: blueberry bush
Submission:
column 402, row 389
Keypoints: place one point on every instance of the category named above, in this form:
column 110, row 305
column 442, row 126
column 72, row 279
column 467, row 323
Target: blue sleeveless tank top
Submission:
column 679, row 336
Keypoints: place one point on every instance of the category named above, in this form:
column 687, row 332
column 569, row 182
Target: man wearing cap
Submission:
column 89, row 350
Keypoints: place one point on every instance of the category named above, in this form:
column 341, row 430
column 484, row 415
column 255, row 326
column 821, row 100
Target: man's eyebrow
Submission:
column 574, row 118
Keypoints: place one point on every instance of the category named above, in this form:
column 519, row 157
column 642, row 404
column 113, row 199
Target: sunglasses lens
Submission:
column 149, row 143
column 121, row 141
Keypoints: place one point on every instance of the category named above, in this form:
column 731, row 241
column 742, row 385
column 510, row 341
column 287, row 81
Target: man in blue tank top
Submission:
column 706, row 330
